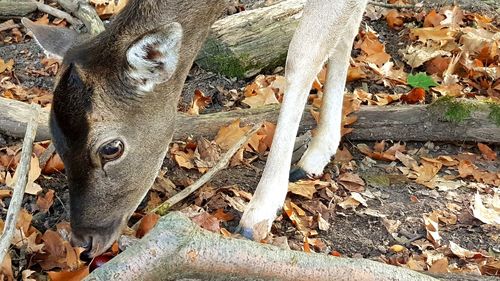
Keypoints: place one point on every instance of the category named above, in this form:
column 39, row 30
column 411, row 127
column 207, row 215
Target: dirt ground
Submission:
column 353, row 233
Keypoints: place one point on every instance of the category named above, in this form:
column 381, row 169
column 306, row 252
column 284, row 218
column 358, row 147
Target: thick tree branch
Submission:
column 177, row 249
column 399, row 123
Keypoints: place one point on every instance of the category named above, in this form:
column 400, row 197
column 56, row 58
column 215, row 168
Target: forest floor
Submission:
column 367, row 204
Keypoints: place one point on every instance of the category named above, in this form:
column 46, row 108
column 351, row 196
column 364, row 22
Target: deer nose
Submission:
column 84, row 242
column 86, row 256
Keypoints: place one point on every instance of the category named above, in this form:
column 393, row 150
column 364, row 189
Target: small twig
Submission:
column 163, row 208
column 58, row 14
column 21, row 182
column 45, row 157
column 391, row 6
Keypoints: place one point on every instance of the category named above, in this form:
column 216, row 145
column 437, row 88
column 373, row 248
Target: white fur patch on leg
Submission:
column 260, row 213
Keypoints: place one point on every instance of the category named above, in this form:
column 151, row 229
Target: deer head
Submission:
column 114, row 106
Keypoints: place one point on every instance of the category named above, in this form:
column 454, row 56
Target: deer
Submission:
column 116, row 94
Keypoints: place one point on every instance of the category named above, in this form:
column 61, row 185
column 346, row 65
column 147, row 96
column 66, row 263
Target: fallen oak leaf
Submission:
column 304, row 188
column 487, row 215
column 394, row 19
column 147, row 223
column 230, row 134
column 433, row 19
column 207, row 221
column 464, row 253
column 432, row 228
column 353, row 201
column 200, row 101
column 76, row 275
column 487, row 152
column 352, row 182
column 416, row 95
column 44, row 202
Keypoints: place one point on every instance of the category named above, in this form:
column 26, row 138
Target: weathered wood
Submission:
column 14, row 116
column 21, row 180
column 16, row 8
column 177, row 249
column 399, row 123
column 86, row 13
column 244, row 44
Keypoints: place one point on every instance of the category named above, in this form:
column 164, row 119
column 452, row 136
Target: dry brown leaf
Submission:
column 440, row 266
column 44, row 202
column 6, row 66
column 223, row 216
column 264, row 96
column 416, row 95
column 355, row 73
column 304, row 188
column 147, row 223
column 433, row 19
column 427, row 172
column 230, row 134
column 353, row 201
column 77, row 275
column 440, row 35
column 432, row 228
column 206, row 155
column 107, row 8
column 464, row 253
column 343, row 155
column 352, row 182
column 184, row 160
column 53, row 165
column 298, row 217
column 34, row 172
column 487, row 152
column 487, row 215
column 199, row 102
column 373, row 49
column 394, row 19
column 6, row 268
column 207, row 221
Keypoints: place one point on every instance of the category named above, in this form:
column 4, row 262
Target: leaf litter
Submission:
column 453, row 53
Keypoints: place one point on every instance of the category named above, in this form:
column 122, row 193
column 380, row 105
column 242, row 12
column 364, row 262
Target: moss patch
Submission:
column 454, row 110
column 494, row 113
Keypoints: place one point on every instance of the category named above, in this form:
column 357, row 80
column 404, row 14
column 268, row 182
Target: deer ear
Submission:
column 55, row 41
column 154, row 56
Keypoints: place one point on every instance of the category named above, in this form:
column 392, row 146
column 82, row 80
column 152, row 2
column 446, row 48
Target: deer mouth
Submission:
column 94, row 240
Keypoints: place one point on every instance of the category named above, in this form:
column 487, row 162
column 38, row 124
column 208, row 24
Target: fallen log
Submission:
column 177, row 249
column 399, row 123
column 244, row 44
column 14, row 116
column 16, row 8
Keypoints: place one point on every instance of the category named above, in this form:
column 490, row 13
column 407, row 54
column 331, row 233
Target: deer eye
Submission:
column 111, row 150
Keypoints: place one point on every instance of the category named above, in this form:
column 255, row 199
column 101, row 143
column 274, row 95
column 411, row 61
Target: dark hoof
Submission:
column 297, row 173
column 245, row 232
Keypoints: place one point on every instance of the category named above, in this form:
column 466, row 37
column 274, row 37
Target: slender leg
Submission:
column 326, row 141
column 318, row 33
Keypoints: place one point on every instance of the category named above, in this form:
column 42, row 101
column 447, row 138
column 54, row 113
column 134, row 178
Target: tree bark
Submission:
column 14, row 116
column 178, row 249
column 16, row 8
column 244, row 44
column 399, row 123
column 86, row 13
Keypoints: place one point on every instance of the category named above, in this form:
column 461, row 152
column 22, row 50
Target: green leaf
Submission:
column 421, row 80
